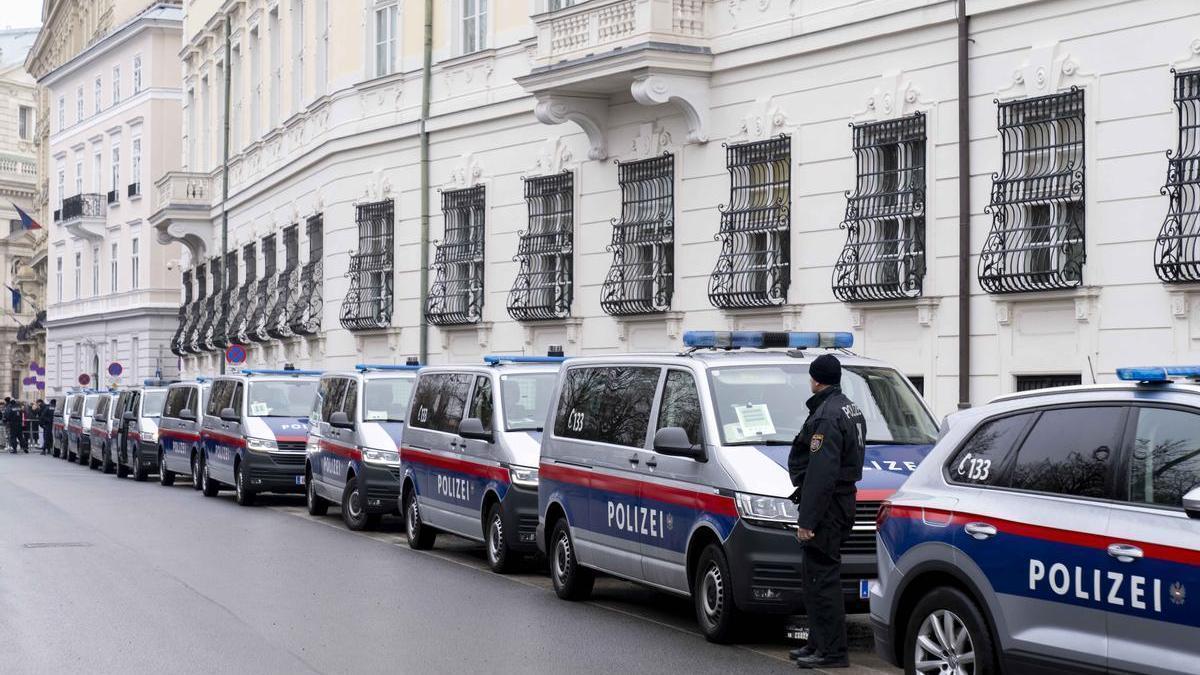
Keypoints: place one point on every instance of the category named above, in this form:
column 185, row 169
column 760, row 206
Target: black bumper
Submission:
column 883, row 641
column 273, row 473
column 381, row 487
column 519, row 509
column 147, row 455
column 765, row 564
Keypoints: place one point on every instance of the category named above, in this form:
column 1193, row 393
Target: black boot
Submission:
column 822, row 661
column 801, row 653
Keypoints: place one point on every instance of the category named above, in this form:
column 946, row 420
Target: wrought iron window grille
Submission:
column 256, row 326
column 456, row 296
column 195, row 335
column 304, row 314
column 641, row 279
column 227, row 303
column 246, row 298
column 543, row 287
column 212, row 307
column 278, row 326
column 753, row 269
column 368, row 302
column 884, row 255
column 1177, row 248
column 177, row 337
column 1036, row 242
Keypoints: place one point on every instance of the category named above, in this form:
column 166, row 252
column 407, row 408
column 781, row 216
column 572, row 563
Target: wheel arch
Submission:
column 920, row 581
column 700, row 538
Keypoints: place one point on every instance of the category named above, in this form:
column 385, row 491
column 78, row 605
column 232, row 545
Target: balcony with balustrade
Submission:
column 84, row 216
column 181, row 210
column 656, row 50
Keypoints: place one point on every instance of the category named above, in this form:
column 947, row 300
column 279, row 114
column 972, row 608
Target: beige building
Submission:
column 22, row 252
column 111, row 78
column 605, row 174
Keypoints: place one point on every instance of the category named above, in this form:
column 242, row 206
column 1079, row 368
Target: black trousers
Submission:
column 16, row 436
column 823, row 600
column 47, row 437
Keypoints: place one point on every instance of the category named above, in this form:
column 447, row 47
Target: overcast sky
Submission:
column 20, row 13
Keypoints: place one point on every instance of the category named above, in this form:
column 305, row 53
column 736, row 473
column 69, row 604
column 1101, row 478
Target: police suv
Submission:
column 79, row 426
column 137, row 451
column 671, row 469
column 105, row 423
column 255, row 432
column 354, row 442
column 179, row 448
column 1051, row 531
column 470, row 453
column 59, row 425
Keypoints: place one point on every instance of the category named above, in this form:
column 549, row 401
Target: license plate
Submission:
column 864, row 588
column 299, row 480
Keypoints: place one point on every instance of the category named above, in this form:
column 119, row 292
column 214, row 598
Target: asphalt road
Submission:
column 105, row 575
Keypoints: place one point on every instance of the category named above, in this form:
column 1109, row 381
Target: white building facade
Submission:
column 114, row 125
column 607, row 174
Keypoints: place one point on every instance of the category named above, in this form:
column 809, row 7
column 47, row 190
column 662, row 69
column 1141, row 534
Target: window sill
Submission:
column 463, row 59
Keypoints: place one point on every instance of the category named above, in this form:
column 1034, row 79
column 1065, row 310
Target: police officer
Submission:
column 45, row 420
column 825, row 463
column 16, row 432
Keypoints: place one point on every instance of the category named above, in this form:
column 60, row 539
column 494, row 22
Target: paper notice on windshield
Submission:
column 376, row 415
column 259, row 409
column 755, row 420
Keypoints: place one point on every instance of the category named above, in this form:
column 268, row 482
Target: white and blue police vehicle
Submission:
column 79, row 426
column 105, row 424
column 470, row 454
column 255, row 432
column 179, row 448
column 137, row 452
column 59, row 424
column 1051, row 531
column 671, row 469
column 354, row 442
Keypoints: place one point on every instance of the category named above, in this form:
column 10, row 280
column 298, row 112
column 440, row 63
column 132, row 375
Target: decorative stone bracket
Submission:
column 689, row 92
column 591, row 114
column 194, row 235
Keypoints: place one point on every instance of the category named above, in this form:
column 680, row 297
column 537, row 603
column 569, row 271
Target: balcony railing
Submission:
column 177, row 347
column 83, row 206
column 114, row 196
column 181, row 188
column 304, row 315
column 596, row 26
column 277, row 318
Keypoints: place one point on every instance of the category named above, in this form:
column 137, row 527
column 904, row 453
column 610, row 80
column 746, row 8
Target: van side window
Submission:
column 608, row 405
column 440, row 401
column 193, row 400
column 175, row 402
column 481, row 401
column 350, row 400
column 983, row 458
column 1164, row 464
column 331, row 392
column 236, row 400
column 680, row 405
column 1069, row 450
column 219, row 398
column 101, row 407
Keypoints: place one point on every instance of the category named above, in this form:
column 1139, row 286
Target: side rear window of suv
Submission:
column 440, row 401
column 1164, row 464
column 983, row 458
column 608, row 405
column 1069, row 450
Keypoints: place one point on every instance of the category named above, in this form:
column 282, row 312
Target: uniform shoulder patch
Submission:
column 815, row 443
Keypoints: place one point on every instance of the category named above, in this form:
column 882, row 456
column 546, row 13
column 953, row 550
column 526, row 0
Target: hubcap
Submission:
column 562, row 558
column 354, row 504
column 241, row 491
column 414, row 520
column 312, row 495
column 713, row 593
column 195, row 472
column 944, row 645
column 495, row 537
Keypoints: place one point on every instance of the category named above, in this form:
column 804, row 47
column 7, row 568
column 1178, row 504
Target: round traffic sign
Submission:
column 85, row 379
column 235, row 354
column 115, row 369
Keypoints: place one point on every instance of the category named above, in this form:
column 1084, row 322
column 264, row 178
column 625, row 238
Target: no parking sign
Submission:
column 235, row 355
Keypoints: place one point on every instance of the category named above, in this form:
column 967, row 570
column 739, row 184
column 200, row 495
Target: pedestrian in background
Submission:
column 46, row 419
column 825, row 463
column 16, row 436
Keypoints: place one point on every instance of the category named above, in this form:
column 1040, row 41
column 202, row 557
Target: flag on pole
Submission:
column 16, row 299
column 27, row 221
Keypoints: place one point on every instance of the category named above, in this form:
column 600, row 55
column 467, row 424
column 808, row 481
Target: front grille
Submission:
column 395, row 471
column 862, row 541
column 778, row 576
column 292, row 446
column 527, row 524
column 286, row 459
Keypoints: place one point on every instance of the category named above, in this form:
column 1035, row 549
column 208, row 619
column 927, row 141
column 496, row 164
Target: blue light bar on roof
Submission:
column 386, row 366
column 754, row 339
column 282, row 372
column 1157, row 373
column 495, row 359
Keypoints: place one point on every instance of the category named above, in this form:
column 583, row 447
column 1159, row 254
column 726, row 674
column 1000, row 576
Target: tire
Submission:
column 420, row 535
column 208, row 486
column 122, row 470
column 953, row 606
column 166, row 477
column 572, row 581
column 106, row 464
column 197, row 472
column 139, row 471
column 242, row 492
column 712, row 594
column 500, row 556
column 92, row 462
column 354, row 508
column 317, row 505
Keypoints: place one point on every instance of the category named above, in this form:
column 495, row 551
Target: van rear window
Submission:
column 607, row 405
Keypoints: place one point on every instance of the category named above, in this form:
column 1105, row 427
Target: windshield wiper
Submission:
column 879, row 442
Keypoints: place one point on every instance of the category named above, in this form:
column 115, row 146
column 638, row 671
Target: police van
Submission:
column 671, row 469
column 255, row 431
column 470, row 453
column 103, row 430
column 179, row 450
column 354, row 442
column 137, row 452
column 1051, row 531
column 79, row 426
column 59, row 424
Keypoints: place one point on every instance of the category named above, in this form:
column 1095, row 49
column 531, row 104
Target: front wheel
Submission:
column 165, row 476
column 420, row 536
column 500, row 556
column 317, row 505
column 106, row 465
column 139, row 471
column 572, row 581
column 354, row 508
column 242, row 492
column 948, row 634
column 712, row 593
column 208, row 486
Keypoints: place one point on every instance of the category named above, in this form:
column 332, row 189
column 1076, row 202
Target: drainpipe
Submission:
column 964, row 209
column 225, row 172
column 426, row 89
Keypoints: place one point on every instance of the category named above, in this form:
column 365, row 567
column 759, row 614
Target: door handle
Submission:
column 633, row 459
column 980, row 531
column 1125, row 553
column 651, row 463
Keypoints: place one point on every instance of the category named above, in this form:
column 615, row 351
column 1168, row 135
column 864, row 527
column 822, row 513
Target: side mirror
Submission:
column 473, row 428
column 187, row 414
column 230, row 415
column 129, row 416
column 674, row 441
column 340, row 420
column 1191, row 503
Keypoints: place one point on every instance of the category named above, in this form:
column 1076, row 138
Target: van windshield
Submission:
column 386, row 399
column 526, row 400
column 282, row 398
column 152, row 403
column 766, row 404
column 89, row 405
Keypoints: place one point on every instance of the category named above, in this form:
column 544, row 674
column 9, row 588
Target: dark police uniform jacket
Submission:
column 825, row 463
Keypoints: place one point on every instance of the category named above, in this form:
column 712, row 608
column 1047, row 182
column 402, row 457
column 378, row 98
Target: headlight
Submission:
column 523, row 476
column 150, row 436
column 377, row 456
column 261, row 444
column 762, row 510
